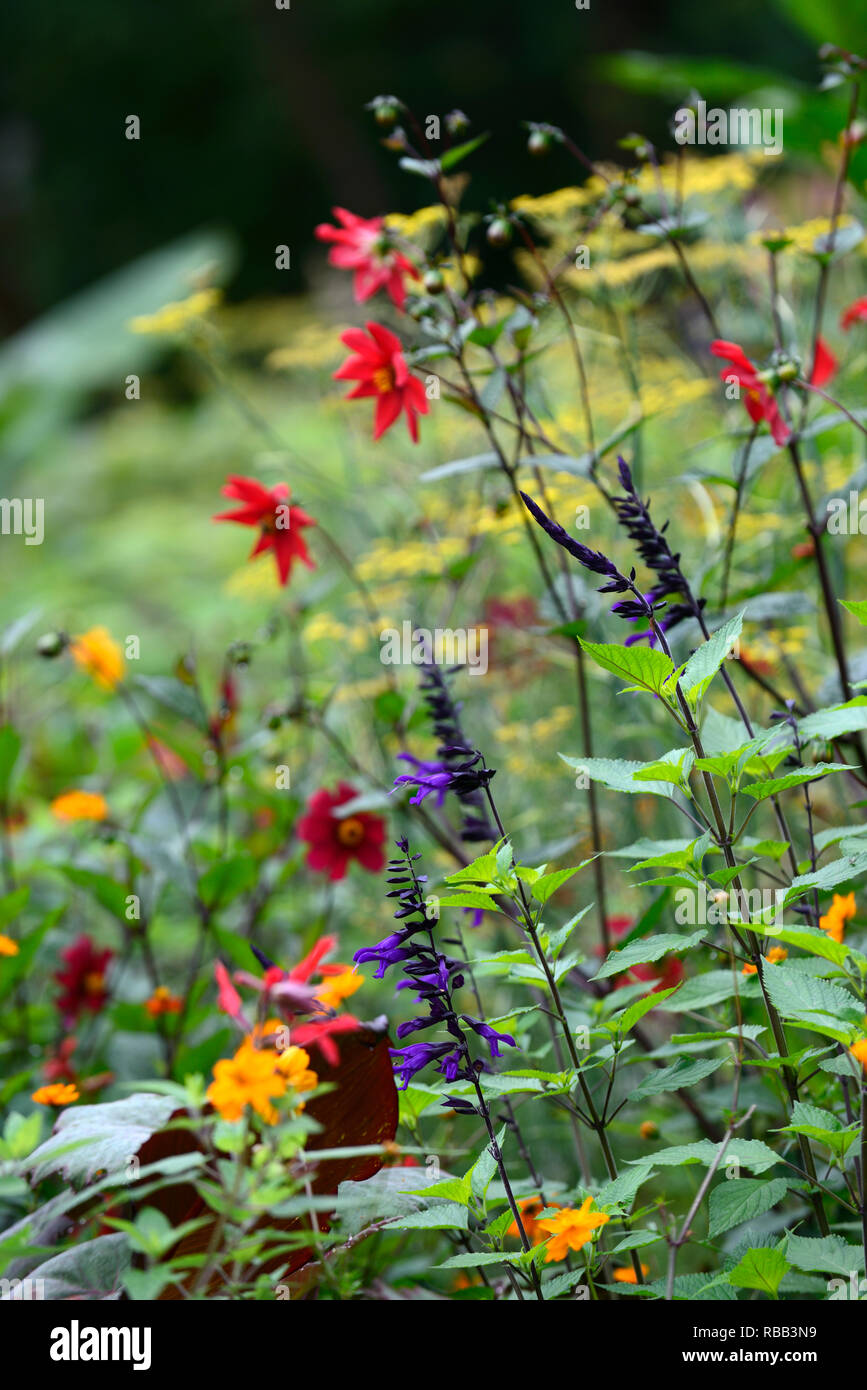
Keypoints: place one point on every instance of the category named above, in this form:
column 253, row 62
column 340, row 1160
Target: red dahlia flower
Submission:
column 280, row 525
column 334, row 840
column 83, row 979
column 363, row 245
column 856, row 313
column 758, row 400
column 379, row 367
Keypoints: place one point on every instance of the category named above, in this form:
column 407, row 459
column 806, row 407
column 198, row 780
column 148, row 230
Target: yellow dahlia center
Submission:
column 93, row 982
column 383, row 380
column 350, row 832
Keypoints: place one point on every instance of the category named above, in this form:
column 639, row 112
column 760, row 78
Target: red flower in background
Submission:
column 379, row 367
column 662, row 974
column 856, row 313
column 280, row 525
column 759, row 401
column 334, row 840
column 824, row 364
column 83, row 979
column 362, row 244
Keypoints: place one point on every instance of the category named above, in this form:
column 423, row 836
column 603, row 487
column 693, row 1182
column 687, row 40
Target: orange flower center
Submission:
column 383, row 380
column 93, row 982
column 350, row 832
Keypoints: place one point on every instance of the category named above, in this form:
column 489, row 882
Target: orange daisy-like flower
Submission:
column 256, row 1076
column 530, row 1208
column 162, row 1001
column 625, row 1274
column 8, row 947
column 97, row 653
column 774, row 956
column 79, row 805
column 571, row 1229
column 859, row 1052
column 647, row 1129
column 56, row 1094
column 337, row 986
column 838, row 913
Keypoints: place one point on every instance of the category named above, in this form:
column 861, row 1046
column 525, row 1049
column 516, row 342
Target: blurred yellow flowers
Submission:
column 58, row 1093
column 172, row 317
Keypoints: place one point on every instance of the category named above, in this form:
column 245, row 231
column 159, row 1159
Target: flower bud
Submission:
column 499, row 232
column 51, row 644
column 433, row 282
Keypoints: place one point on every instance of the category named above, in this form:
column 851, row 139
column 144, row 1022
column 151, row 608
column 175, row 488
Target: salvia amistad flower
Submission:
column 454, row 751
column 363, row 245
column 379, row 366
column 433, row 977
column 437, row 777
column 83, row 979
column 856, row 313
column 280, row 525
column 634, row 515
column 335, row 840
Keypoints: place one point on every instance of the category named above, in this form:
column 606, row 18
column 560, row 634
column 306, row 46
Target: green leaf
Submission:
column 173, row 695
column 224, row 880
column 447, row 1216
column 749, row 1153
column 470, row 897
column 857, row 606
column 10, row 747
column 815, row 1003
column 484, row 1169
column 704, row 663
column 834, row 722
column 760, row 791
column 816, row 941
column 619, row 774
column 742, row 1199
column 106, row 890
column 827, row 1254
column 646, row 668
column 684, row 1072
column 105, row 1136
column 454, row 156
column 546, row 886
column 761, row 1269
column 829, row 876
column 641, row 952
column 628, row 1019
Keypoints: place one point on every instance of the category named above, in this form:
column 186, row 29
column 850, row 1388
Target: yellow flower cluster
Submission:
column 416, row 223
column 178, row 314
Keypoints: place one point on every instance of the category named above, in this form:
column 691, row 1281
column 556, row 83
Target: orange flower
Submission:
column 338, row 986
column 97, row 653
column 78, row 805
column 774, row 956
column 859, row 1052
column 56, row 1094
column 162, row 1001
column 256, row 1076
column 840, row 911
column 530, row 1208
column 625, row 1274
column 571, row 1229
column 8, row 947
column 648, row 1129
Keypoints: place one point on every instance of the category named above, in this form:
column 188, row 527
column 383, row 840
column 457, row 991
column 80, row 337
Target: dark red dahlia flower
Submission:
column 83, row 979
column 334, row 840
